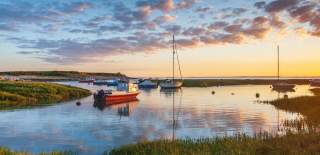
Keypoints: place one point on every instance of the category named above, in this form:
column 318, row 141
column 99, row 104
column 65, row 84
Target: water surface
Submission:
column 190, row 112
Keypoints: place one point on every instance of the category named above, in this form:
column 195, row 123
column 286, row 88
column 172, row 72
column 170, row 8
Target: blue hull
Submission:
column 147, row 86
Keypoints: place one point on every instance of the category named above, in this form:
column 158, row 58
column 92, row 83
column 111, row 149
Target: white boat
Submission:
column 170, row 84
column 147, row 84
column 173, row 83
column 281, row 86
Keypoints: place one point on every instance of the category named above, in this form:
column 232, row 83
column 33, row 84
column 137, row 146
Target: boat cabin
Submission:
column 128, row 87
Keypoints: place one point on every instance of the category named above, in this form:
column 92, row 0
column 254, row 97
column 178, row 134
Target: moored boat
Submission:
column 100, row 82
column 125, row 92
column 281, row 86
column 145, row 84
column 112, row 82
column 173, row 83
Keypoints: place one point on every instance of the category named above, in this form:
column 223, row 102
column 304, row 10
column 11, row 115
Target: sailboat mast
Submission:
column 173, row 58
column 278, row 63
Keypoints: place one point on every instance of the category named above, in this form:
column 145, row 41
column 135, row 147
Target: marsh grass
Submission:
column 308, row 106
column 25, row 94
column 7, row 151
column 265, row 143
column 300, row 137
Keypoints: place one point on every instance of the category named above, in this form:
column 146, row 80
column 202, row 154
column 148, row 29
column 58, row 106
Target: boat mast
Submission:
column 173, row 57
column 278, row 64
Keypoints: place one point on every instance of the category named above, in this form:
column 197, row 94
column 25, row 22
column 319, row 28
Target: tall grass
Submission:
column 302, row 144
column 308, row 106
column 7, row 151
column 21, row 94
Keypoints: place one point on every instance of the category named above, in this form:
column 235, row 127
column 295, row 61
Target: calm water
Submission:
column 89, row 130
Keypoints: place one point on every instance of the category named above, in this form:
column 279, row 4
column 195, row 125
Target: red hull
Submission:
column 113, row 99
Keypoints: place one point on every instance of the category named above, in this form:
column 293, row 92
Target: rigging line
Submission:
column 178, row 62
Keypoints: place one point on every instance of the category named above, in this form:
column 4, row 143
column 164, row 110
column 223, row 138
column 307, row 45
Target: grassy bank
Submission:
column 7, row 151
column 58, row 75
column 303, row 143
column 229, row 82
column 308, row 106
column 26, row 94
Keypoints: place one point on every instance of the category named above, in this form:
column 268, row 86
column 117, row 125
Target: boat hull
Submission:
column 171, row 85
column 120, row 98
column 148, row 86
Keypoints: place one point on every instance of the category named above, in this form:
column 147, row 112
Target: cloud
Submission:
column 231, row 12
column 176, row 29
column 165, row 19
column 162, row 5
column 194, row 31
column 280, row 5
column 8, row 27
column 185, row 4
column 260, row 4
column 218, row 25
column 303, row 12
column 75, row 7
column 203, row 9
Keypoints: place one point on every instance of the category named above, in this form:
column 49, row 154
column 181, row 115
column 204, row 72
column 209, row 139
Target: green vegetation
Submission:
column 308, row 106
column 302, row 135
column 26, row 94
column 303, row 143
column 73, row 74
column 227, row 82
column 59, row 75
column 6, row 151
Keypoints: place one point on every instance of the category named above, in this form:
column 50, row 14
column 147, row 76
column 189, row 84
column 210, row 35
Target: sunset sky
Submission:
column 214, row 37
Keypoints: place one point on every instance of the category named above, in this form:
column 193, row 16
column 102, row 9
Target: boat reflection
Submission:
column 170, row 92
column 123, row 109
column 283, row 90
column 176, row 111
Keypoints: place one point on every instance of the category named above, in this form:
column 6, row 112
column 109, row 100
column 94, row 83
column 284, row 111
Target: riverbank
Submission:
column 308, row 106
column 57, row 75
column 303, row 143
column 7, row 151
column 28, row 94
column 231, row 82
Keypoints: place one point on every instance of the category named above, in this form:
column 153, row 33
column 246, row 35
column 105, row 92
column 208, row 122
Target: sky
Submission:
column 214, row 37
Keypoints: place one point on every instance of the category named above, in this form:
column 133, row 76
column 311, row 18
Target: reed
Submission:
column 25, row 94
column 265, row 143
column 7, row 151
column 308, row 106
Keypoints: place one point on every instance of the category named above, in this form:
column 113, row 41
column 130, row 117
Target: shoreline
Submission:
column 17, row 95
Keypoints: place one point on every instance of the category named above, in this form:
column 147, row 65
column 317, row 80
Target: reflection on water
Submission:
column 189, row 112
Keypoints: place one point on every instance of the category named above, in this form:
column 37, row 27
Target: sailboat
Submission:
column 173, row 83
column 281, row 86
